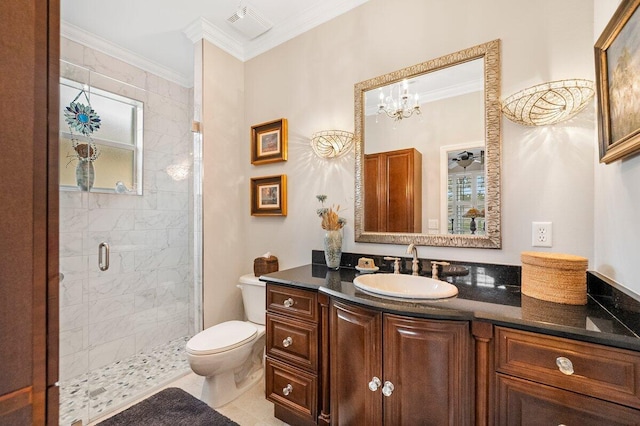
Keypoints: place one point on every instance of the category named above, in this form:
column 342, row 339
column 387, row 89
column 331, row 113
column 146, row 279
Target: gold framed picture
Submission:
column 269, row 196
column 269, row 142
column 617, row 74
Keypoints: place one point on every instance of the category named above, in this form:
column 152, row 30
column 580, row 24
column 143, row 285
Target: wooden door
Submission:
column 356, row 357
column 29, row 40
column 429, row 364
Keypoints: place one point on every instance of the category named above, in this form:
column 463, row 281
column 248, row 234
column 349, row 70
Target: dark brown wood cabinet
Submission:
column 292, row 366
column 390, row 369
column 336, row 362
column 525, row 403
column 393, row 191
column 544, row 379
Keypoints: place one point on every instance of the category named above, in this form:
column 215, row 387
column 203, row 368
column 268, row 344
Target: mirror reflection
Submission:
column 426, row 136
column 424, row 113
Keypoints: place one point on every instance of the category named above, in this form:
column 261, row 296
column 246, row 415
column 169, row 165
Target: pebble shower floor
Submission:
column 96, row 393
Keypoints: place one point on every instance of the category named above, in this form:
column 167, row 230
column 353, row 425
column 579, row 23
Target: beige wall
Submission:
column 225, row 182
column 310, row 80
column 548, row 174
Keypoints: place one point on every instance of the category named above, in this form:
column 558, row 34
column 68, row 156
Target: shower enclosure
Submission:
column 129, row 233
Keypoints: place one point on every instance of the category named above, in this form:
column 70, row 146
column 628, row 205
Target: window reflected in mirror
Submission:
column 465, row 190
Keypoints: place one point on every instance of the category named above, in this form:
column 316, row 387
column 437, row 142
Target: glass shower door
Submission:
column 127, row 300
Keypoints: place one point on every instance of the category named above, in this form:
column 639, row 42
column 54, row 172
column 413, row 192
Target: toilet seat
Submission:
column 221, row 338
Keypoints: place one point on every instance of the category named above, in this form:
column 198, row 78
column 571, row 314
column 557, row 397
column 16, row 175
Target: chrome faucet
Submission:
column 414, row 263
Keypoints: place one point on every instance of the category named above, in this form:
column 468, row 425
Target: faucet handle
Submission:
column 396, row 263
column 436, row 267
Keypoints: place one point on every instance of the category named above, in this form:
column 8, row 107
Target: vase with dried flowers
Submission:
column 332, row 223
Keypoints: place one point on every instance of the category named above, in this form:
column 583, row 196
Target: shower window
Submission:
column 116, row 146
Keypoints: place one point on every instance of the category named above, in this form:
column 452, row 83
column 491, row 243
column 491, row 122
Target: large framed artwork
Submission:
column 269, row 142
column 617, row 56
column 269, row 196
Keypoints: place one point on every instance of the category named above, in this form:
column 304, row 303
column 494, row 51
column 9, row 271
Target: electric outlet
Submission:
column 541, row 234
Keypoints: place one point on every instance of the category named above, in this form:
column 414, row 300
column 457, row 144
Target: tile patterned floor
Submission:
column 97, row 393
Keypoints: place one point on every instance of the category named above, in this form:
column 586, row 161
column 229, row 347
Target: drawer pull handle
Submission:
column 387, row 389
column 287, row 390
column 374, row 384
column 287, row 342
column 564, row 365
column 288, row 303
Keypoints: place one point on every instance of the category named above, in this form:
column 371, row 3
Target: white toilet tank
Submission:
column 254, row 296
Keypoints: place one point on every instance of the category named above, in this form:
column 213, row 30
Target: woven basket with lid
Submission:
column 265, row 265
column 555, row 277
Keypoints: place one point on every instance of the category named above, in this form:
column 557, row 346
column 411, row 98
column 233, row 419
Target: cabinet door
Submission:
column 428, row 363
column 393, row 191
column 524, row 403
column 356, row 358
column 374, row 189
column 403, row 191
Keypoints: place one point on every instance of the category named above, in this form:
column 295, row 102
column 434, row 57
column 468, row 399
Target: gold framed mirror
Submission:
column 406, row 118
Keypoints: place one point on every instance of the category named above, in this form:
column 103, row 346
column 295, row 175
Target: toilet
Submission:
column 230, row 355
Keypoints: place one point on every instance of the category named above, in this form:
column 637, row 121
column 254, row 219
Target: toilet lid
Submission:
column 221, row 337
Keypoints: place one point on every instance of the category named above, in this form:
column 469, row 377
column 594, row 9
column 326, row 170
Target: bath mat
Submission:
column 170, row 407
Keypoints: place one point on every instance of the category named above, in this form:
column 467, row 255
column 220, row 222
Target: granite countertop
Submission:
column 488, row 293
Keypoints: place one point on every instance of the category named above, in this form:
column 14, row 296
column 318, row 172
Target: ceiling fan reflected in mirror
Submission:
column 466, row 158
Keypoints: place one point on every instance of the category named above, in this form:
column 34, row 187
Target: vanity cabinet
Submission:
column 544, row 379
column 391, row 369
column 393, row 191
column 292, row 362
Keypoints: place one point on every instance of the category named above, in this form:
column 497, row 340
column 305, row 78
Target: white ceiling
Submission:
column 158, row 35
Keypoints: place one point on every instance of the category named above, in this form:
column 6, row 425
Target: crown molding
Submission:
column 308, row 19
column 203, row 29
column 92, row 41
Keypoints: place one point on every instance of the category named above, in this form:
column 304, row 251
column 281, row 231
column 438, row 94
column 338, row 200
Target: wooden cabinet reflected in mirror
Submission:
column 393, row 191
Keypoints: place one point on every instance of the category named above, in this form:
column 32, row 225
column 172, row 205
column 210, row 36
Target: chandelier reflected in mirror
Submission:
column 404, row 105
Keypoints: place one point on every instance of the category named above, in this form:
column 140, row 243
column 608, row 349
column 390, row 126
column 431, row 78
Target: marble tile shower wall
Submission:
column 143, row 299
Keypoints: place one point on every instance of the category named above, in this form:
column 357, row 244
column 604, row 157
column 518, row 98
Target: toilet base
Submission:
column 222, row 389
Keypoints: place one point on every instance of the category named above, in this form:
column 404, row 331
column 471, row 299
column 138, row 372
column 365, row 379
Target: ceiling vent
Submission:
column 248, row 22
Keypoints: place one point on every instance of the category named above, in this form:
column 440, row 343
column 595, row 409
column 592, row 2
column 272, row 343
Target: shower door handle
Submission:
column 103, row 256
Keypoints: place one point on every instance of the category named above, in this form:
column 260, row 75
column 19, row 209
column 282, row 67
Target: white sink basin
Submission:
column 405, row 286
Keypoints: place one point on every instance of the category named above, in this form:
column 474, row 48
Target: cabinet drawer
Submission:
column 608, row 373
column 523, row 403
column 294, row 302
column 292, row 388
column 293, row 341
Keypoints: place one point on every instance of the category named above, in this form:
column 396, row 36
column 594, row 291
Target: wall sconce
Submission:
column 331, row 143
column 548, row 103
